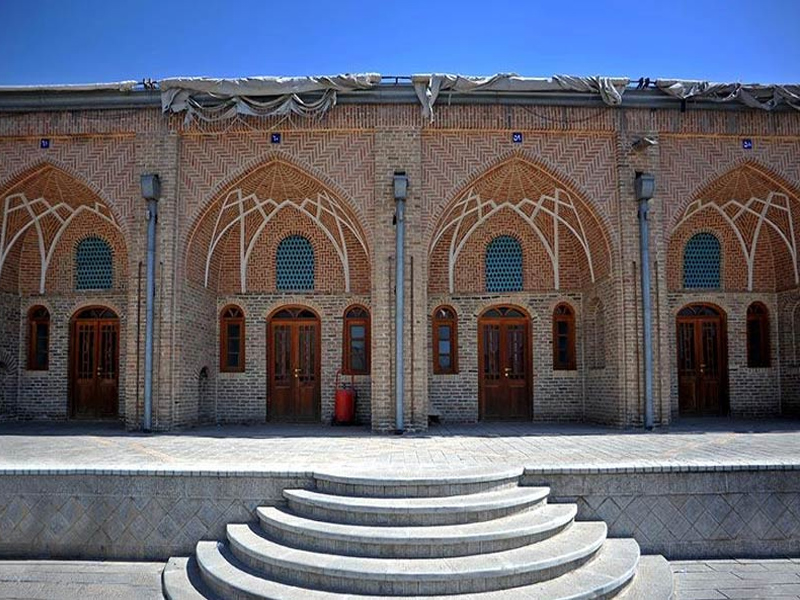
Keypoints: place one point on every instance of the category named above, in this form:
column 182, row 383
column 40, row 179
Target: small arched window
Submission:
column 38, row 338
column 294, row 264
column 445, row 340
column 564, row 338
column 356, row 355
column 701, row 262
column 94, row 265
column 231, row 340
column 503, row 268
column 758, row 354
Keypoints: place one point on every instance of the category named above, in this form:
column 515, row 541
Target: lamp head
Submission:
column 644, row 186
column 151, row 186
column 400, row 185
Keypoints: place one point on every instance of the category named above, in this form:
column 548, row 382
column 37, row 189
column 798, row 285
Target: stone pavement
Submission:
column 724, row 579
column 700, row 443
column 78, row 580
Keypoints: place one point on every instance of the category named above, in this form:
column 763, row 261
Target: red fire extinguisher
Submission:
column 344, row 410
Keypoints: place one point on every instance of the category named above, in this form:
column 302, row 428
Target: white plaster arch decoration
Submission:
column 774, row 211
column 549, row 206
column 49, row 221
column 237, row 207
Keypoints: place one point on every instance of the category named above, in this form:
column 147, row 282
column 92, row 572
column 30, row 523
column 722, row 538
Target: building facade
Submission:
column 275, row 259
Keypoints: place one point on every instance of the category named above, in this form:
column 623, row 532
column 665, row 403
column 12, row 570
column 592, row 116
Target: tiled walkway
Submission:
column 291, row 448
column 65, row 580
column 285, row 448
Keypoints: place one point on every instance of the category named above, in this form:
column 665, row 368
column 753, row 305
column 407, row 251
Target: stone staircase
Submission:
column 478, row 535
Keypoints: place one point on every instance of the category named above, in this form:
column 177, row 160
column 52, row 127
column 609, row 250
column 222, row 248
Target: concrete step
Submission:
column 481, row 537
column 182, row 580
column 602, row 577
column 443, row 510
column 415, row 485
column 543, row 560
column 653, row 581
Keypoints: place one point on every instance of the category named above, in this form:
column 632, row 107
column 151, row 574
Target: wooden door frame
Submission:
column 724, row 396
column 526, row 319
column 71, row 357
column 270, row 350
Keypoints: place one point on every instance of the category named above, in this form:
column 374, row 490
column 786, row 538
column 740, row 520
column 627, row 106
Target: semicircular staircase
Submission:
column 477, row 535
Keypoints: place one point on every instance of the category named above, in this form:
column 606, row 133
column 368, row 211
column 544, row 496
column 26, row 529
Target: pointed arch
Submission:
column 754, row 204
column 555, row 213
column 244, row 209
column 43, row 201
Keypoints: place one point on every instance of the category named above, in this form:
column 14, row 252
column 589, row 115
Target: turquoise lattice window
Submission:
column 701, row 262
column 504, row 265
column 295, row 264
column 94, row 265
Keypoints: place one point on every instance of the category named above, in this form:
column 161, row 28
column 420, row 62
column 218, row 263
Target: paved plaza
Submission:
column 687, row 444
column 281, row 448
column 79, row 580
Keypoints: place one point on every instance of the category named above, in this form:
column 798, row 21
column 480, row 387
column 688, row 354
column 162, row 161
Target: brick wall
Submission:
column 343, row 164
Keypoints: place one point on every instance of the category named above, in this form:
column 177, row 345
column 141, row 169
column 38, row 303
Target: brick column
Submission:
column 398, row 149
column 634, row 125
column 156, row 152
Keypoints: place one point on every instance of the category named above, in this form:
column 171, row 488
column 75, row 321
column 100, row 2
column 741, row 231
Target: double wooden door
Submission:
column 504, row 369
column 294, row 388
column 702, row 363
column 94, row 370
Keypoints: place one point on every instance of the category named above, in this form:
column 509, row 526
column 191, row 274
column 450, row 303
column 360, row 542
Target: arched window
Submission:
column 564, row 338
column 94, row 265
column 356, row 355
column 231, row 339
column 294, row 264
column 758, row 354
column 503, row 265
column 445, row 340
column 38, row 338
column 701, row 262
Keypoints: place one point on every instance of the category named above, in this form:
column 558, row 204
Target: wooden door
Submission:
column 504, row 370
column 294, row 389
column 94, row 368
column 702, row 364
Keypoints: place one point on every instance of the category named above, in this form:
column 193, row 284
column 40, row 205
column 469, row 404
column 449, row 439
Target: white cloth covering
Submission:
column 765, row 97
column 259, row 96
column 428, row 87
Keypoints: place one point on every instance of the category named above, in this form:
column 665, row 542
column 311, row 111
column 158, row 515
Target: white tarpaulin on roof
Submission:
column 119, row 86
column 765, row 97
column 428, row 87
column 258, row 96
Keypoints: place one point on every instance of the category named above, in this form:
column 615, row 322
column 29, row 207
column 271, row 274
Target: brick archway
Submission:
column 565, row 243
column 756, row 215
column 246, row 220
column 45, row 212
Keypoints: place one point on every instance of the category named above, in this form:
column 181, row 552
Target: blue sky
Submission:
column 73, row 41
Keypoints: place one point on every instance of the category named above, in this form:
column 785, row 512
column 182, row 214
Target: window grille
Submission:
column 564, row 338
column 758, row 348
column 231, row 339
column 94, row 265
column 356, row 355
column 295, row 264
column 504, row 265
column 445, row 340
column 38, row 338
column 701, row 262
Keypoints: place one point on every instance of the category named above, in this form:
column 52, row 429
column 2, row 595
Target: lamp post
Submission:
column 644, row 186
column 400, row 185
column 151, row 191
